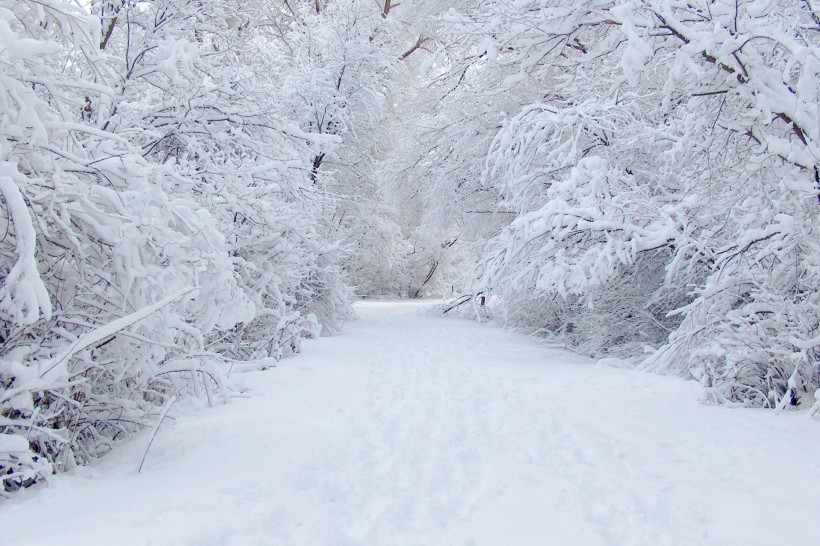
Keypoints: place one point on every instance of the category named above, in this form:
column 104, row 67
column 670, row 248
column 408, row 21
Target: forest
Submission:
column 189, row 189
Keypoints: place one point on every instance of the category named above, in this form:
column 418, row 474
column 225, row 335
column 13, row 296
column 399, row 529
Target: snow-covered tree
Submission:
column 160, row 221
column 664, row 183
column 210, row 103
column 345, row 61
column 450, row 112
column 101, row 266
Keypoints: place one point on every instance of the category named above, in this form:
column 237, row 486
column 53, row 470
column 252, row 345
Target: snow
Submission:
column 409, row 429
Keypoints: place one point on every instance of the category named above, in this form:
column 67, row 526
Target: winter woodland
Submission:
column 190, row 188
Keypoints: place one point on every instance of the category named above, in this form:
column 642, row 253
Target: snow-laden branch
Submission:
column 24, row 297
column 99, row 334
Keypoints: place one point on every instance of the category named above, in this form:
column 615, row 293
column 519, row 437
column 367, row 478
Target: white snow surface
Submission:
column 412, row 430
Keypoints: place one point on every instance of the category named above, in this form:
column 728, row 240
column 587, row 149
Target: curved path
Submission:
column 412, row 430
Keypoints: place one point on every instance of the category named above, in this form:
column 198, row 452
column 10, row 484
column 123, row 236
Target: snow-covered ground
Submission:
column 412, row 430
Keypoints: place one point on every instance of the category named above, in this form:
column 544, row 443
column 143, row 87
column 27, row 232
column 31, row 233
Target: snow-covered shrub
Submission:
column 665, row 185
column 99, row 308
column 204, row 99
column 594, row 252
column 159, row 223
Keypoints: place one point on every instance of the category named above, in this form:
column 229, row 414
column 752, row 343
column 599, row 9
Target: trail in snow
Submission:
column 412, row 430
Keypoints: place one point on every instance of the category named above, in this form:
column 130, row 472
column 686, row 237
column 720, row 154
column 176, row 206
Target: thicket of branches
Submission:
column 664, row 183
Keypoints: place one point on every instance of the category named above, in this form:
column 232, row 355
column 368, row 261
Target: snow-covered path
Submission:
column 411, row 430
